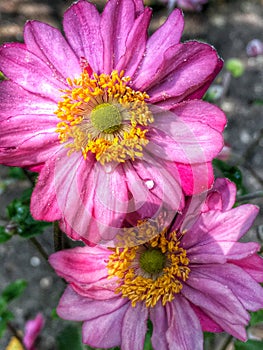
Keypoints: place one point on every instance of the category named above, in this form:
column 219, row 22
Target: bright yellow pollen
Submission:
column 101, row 114
column 140, row 286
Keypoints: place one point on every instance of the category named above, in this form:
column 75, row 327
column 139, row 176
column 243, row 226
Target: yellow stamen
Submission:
column 140, row 285
column 103, row 115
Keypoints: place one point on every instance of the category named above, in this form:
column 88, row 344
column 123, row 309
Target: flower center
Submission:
column 101, row 114
column 106, row 118
column 150, row 272
column 152, row 261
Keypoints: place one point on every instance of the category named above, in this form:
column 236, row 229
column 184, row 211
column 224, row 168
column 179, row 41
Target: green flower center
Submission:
column 106, row 118
column 152, row 261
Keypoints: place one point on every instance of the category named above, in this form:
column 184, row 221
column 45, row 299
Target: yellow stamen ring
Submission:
column 103, row 115
column 146, row 285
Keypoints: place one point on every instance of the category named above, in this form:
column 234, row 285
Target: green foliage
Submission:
column 256, row 317
column 235, row 67
column 249, row 345
column 231, row 172
column 11, row 292
column 16, row 173
column 70, row 338
column 20, row 219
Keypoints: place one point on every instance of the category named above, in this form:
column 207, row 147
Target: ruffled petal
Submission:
column 184, row 330
column 37, row 140
column 15, row 100
column 253, row 265
column 215, row 226
column 158, row 317
column 75, row 307
column 30, row 72
column 135, row 44
column 48, row 44
column 184, row 70
column 82, row 29
column 134, row 327
column 218, row 302
column 104, row 331
column 157, row 45
column 222, row 196
column 243, row 286
column 202, row 112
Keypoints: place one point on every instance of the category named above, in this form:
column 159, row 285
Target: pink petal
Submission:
column 158, row 317
column 82, row 29
column 134, row 327
column 207, row 324
column 30, row 72
column 184, row 142
column 104, row 331
column 135, row 44
column 253, row 265
column 75, row 307
column 222, row 196
column 117, row 21
column 202, row 112
column 32, row 330
column 15, row 100
column 243, row 286
column 184, row 327
column 83, row 265
column 218, row 302
column 185, row 69
column 48, row 44
column 157, row 45
column 37, row 140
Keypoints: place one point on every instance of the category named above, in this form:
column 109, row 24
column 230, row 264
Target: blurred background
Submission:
column 230, row 26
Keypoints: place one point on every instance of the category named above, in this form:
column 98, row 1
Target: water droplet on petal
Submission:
column 149, row 184
column 107, row 168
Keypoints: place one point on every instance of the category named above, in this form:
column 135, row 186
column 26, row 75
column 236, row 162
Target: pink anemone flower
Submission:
column 111, row 118
column 190, row 278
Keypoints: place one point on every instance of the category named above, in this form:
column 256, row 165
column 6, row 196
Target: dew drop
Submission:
column 149, row 184
column 108, row 168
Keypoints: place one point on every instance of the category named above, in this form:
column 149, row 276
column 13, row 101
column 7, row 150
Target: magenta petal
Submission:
column 37, row 140
column 222, row 196
column 82, row 29
column 48, row 44
column 184, row 330
column 27, row 70
column 83, row 265
column 135, row 44
column 156, row 46
column 207, row 324
column 218, row 302
column 244, row 287
column 134, row 327
column 15, row 100
column 75, row 307
column 202, row 112
column 158, row 317
column 104, row 331
column 186, row 68
column 253, row 265
column 32, row 331
column 116, row 22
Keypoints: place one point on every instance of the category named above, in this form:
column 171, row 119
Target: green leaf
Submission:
column 4, row 318
column 3, row 305
column 16, row 173
column 249, row 345
column 148, row 342
column 14, row 290
column 231, row 172
column 235, row 67
column 70, row 338
column 4, row 236
column 256, row 317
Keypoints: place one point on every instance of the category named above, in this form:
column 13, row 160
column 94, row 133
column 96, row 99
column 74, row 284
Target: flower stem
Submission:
column 16, row 334
column 58, row 237
column 39, row 247
column 249, row 196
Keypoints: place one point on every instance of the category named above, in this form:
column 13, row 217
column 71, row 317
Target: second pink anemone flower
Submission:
column 110, row 117
column 194, row 277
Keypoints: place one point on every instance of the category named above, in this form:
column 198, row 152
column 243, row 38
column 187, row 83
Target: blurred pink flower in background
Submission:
column 32, row 331
column 189, row 5
column 254, row 48
column 192, row 278
column 112, row 119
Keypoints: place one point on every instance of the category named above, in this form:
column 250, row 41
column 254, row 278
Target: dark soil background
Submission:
column 227, row 25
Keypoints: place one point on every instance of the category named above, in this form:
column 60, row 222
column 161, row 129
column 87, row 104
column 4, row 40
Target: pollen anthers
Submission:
column 144, row 281
column 103, row 115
